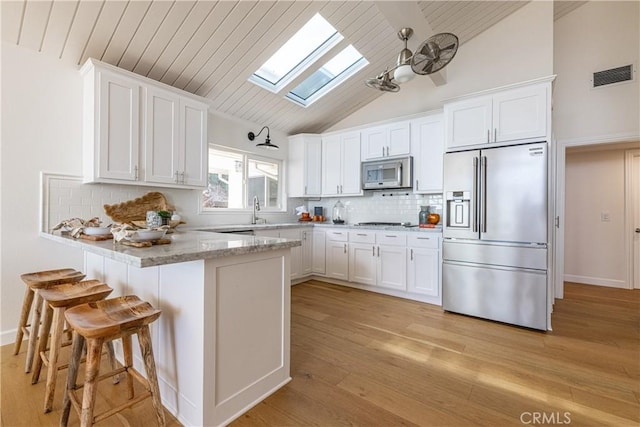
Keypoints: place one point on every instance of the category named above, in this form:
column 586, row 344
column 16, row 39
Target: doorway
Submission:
column 585, row 251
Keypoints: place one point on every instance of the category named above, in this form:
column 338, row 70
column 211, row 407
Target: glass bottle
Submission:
column 422, row 215
column 339, row 213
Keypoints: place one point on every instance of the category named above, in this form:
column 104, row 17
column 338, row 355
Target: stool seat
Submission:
column 112, row 317
column 44, row 279
column 103, row 321
column 57, row 299
column 35, row 282
column 72, row 294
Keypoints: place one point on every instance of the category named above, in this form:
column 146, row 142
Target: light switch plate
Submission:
column 605, row 216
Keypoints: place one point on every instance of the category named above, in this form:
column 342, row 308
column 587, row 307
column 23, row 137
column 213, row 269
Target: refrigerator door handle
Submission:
column 483, row 192
column 474, row 201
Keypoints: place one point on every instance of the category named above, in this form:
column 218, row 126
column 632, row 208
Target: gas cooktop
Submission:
column 388, row 224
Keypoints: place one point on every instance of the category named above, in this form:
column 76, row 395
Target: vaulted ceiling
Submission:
column 210, row 48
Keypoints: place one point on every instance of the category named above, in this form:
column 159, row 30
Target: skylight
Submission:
column 338, row 69
column 312, row 42
column 314, row 39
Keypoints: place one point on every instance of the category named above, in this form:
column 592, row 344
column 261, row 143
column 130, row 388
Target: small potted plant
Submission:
column 165, row 216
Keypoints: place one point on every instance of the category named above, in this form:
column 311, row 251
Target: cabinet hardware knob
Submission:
column 411, row 254
column 345, row 248
column 135, row 172
column 378, row 251
column 488, row 135
column 373, row 253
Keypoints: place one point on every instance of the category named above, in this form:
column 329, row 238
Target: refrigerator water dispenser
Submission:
column 458, row 208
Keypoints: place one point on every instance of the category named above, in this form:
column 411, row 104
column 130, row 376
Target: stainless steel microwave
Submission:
column 387, row 173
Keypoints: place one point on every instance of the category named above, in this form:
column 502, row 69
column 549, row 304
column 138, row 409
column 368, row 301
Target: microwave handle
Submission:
column 399, row 168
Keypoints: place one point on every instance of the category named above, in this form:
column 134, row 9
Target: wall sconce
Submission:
column 267, row 145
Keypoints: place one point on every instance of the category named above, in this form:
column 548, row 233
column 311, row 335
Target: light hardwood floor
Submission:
column 365, row 359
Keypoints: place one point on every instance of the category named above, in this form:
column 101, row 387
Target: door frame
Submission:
column 560, row 187
column 629, row 225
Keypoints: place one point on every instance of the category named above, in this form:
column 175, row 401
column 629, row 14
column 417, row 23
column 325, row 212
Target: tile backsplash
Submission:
column 382, row 206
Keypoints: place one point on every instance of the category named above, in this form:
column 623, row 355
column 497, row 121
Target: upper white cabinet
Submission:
column 111, row 131
column 427, row 148
column 392, row 139
column 305, row 166
column 341, row 164
column 519, row 114
column 141, row 131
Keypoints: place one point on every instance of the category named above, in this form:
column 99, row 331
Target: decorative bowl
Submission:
column 147, row 235
column 96, row 231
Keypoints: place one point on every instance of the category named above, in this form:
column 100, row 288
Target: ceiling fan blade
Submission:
column 451, row 46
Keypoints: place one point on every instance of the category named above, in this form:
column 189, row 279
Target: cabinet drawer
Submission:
column 423, row 240
column 391, row 238
column 362, row 237
column 337, row 235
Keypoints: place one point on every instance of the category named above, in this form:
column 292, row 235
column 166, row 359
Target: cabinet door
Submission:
column 319, row 248
column 351, row 184
column 423, row 271
column 337, row 260
column 374, row 142
column 468, row 122
column 427, row 144
column 313, row 166
column 399, row 139
column 362, row 263
column 392, row 267
column 161, row 136
column 117, row 127
column 331, row 165
column 296, row 252
column 520, row 114
column 306, row 266
column 193, row 138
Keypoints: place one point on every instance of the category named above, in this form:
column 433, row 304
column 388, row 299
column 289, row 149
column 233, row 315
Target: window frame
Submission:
column 246, row 157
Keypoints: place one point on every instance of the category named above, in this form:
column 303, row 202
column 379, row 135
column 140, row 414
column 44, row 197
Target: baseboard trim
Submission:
column 598, row 281
column 9, row 337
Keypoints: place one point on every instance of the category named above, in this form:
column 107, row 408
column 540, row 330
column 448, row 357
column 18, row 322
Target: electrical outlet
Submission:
column 605, row 216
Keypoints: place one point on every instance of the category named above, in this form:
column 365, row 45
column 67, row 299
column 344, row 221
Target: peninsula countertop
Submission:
column 185, row 246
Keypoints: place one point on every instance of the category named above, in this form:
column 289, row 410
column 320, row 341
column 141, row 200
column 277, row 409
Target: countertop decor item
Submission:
column 339, row 213
column 136, row 209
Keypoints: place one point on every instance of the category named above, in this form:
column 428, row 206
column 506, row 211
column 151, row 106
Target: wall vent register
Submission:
column 613, row 75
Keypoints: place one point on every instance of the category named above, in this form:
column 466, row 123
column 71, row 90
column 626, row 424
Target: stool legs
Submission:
column 94, row 350
column 33, row 334
column 144, row 338
column 27, row 301
column 54, row 352
column 72, row 376
column 42, row 344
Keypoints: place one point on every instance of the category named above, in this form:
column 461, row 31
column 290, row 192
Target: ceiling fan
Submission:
column 431, row 56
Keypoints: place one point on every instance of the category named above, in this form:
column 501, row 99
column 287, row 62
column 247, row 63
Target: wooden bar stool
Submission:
column 102, row 321
column 34, row 282
column 57, row 300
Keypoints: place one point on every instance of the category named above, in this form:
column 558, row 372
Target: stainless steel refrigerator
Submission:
column 495, row 234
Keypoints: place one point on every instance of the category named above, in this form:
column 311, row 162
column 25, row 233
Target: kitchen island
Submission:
column 222, row 342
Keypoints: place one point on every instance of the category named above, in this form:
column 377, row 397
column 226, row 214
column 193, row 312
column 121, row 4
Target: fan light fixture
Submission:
column 431, row 56
column 267, row 145
column 403, row 72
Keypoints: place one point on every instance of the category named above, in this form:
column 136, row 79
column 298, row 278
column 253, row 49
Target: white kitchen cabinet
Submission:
column 111, row 135
column 318, row 264
column 306, row 263
column 387, row 140
column 175, row 139
column 518, row 114
column 427, row 147
column 392, row 267
column 423, row 268
column 304, row 173
column 337, row 254
column 362, row 263
column 296, row 252
column 341, row 165
column 141, row 131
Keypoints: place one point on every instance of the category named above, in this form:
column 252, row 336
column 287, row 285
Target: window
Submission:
column 235, row 178
column 299, row 53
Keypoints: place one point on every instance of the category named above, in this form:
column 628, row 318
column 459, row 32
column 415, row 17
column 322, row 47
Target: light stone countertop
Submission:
column 185, row 246
column 328, row 224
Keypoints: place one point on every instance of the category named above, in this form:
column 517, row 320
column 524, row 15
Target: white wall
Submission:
column 595, row 249
column 41, row 131
column 516, row 49
column 596, row 36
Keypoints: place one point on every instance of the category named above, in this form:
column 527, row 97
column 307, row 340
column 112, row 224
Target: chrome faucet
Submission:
column 256, row 207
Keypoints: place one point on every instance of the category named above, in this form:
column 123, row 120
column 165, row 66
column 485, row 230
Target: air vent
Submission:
column 614, row 75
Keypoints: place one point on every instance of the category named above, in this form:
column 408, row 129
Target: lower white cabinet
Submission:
column 301, row 256
column 337, row 254
column 318, row 263
column 306, row 264
column 423, row 272
column 362, row 263
column 392, row 267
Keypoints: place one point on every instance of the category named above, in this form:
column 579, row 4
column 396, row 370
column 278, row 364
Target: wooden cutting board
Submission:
column 97, row 237
column 146, row 244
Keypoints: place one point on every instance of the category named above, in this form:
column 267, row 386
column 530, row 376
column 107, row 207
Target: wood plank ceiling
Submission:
column 210, row 48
